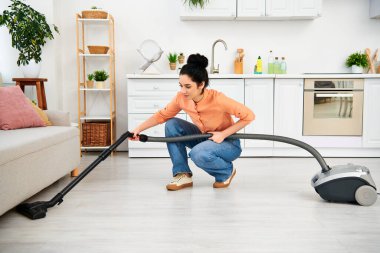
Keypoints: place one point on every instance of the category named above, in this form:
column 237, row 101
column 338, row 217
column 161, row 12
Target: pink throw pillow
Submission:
column 15, row 110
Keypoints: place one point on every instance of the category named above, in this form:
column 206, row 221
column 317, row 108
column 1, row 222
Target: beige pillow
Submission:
column 41, row 114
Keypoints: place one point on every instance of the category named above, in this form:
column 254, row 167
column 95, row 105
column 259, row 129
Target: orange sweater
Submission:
column 212, row 113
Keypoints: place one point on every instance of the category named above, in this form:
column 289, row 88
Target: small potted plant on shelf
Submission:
column 100, row 76
column 173, row 57
column 90, row 81
column 357, row 61
column 94, row 13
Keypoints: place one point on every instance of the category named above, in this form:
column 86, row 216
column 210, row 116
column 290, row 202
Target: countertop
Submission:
column 259, row 76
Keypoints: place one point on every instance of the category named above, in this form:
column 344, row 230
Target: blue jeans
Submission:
column 214, row 158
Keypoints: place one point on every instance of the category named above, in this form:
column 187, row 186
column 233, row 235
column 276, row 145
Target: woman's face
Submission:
column 189, row 88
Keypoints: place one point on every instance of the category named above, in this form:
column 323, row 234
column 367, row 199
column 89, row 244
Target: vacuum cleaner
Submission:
column 343, row 183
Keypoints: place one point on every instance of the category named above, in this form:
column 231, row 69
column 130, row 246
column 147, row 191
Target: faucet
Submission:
column 214, row 70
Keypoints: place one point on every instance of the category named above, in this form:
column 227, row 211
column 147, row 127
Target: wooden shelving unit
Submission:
column 84, row 93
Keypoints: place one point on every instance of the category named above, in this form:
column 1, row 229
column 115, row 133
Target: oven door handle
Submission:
column 328, row 95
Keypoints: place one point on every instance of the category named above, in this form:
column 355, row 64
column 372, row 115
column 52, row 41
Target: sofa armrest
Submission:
column 58, row 118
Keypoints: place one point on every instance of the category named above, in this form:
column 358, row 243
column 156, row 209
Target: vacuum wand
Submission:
column 38, row 210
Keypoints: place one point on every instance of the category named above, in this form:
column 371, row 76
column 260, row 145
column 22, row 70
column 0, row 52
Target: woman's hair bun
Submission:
column 197, row 60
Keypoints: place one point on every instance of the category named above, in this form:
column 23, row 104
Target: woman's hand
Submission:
column 135, row 137
column 217, row 137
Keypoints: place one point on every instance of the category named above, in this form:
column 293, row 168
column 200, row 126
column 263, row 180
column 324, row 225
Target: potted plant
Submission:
column 90, row 81
column 173, row 57
column 29, row 31
column 196, row 3
column 94, row 13
column 100, row 76
column 357, row 61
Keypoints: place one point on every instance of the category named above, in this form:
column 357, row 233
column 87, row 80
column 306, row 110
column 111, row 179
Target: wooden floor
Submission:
column 123, row 206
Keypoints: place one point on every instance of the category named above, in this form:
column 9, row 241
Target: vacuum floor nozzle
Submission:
column 36, row 210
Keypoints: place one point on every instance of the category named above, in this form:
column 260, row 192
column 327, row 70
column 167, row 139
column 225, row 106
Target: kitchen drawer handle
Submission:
column 155, row 88
column 326, row 95
column 156, row 105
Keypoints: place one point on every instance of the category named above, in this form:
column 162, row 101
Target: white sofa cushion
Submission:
column 20, row 142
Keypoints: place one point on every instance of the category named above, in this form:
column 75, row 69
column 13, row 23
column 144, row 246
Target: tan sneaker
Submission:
column 225, row 183
column 180, row 181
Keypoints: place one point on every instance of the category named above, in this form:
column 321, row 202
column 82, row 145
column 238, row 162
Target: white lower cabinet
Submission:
column 288, row 113
column 278, row 105
column 371, row 114
column 259, row 98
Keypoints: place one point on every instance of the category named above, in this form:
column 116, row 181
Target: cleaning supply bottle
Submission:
column 276, row 66
column 270, row 63
column 283, row 66
column 259, row 64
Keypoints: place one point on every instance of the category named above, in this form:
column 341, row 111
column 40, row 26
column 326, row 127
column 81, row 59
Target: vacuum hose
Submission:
column 307, row 147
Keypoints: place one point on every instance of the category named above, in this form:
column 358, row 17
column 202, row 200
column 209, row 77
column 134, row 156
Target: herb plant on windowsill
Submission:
column 357, row 61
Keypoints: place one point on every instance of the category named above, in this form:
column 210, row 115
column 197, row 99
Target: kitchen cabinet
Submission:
column 371, row 113
column 259, row 98
column 250, row 9
column 278, row 9
column 213, row 10
column 277, row 102
column 288, row 111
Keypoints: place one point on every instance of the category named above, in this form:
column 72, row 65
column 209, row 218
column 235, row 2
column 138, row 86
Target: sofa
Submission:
column 33, row 158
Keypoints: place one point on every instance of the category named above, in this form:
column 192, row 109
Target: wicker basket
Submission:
column 98, row 49
column 94, row 14
column 96, row 134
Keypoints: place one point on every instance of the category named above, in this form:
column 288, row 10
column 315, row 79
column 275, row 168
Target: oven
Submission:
column 333, row 107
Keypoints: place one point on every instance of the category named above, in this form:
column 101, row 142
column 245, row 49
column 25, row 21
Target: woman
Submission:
column 210, row 111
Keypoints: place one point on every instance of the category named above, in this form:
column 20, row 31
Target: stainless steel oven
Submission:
column 333, row 107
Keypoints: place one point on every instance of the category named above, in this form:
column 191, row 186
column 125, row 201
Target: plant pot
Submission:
column 173, row 65
column 356, row 69
column 100, row 85
column 32, row 70
column 89, row 84
column 94, row 14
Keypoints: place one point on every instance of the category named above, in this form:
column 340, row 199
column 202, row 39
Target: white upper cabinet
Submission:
column 278, row 9
column 246, row 9
column 213, row 10
column 307, row 8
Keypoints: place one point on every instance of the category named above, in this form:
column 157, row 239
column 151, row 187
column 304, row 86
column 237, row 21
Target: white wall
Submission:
column 319, row 45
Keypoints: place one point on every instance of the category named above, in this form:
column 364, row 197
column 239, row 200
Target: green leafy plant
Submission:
column 28, row 29
column 196, row 3
column 94, row 8
column 358, row 59
column 173, row 57
column 90, row 77
column 100, row 75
